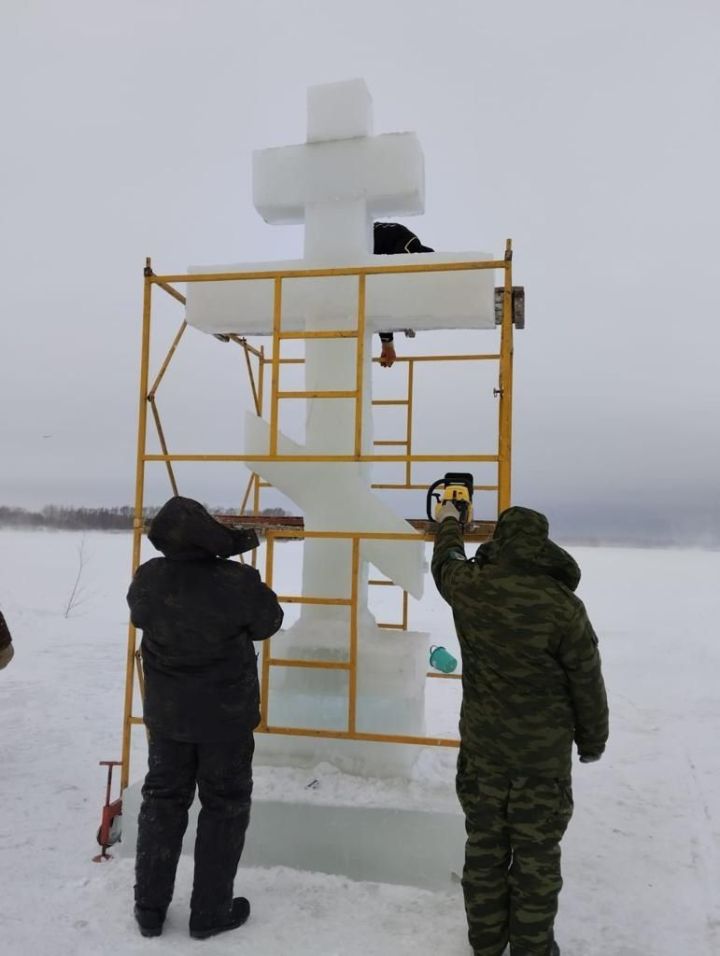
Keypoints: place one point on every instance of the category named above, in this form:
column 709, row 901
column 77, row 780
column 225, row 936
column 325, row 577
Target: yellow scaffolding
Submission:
column 510, row 310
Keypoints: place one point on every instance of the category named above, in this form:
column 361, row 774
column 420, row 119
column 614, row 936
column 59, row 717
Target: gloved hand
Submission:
column 6, row 655
column 387, row 355
column 449, row 509
column 244, row 539
column 589, row 758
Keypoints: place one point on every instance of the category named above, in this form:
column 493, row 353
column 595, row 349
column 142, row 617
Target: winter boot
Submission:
column 150, row 921
column 202, row 928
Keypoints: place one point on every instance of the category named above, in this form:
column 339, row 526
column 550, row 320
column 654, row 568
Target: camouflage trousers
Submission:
column 511, row 879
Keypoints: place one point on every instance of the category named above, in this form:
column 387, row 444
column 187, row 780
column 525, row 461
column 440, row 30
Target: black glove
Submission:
column 244, row 539
column 589, row 758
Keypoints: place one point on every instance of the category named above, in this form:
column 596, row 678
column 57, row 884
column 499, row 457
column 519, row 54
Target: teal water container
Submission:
column 442, row 660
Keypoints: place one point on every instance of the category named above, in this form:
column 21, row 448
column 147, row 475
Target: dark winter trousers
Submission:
column 223, row 774
column 511, row 878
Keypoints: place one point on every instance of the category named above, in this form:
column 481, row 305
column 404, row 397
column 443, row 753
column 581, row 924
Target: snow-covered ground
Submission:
column 641, row 858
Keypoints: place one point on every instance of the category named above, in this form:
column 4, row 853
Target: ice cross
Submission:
column 336, row 184
column 342, row 178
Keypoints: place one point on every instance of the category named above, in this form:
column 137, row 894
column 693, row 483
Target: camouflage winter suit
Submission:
column 532, row 684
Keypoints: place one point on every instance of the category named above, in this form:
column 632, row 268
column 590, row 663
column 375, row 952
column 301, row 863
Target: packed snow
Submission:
column 640, row 858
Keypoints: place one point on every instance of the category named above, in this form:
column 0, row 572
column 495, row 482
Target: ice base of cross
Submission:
column 390, row 698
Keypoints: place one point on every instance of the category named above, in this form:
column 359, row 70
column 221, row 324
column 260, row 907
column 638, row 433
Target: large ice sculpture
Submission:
column 337, row 183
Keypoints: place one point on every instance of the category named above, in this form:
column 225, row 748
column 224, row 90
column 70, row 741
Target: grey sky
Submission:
column 587, row 132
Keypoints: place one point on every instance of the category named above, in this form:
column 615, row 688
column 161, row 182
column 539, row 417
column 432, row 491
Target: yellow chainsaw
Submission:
column 457, row 487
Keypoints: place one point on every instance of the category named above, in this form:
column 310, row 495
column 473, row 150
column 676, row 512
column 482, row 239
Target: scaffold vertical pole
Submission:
column 505, row 388
column 138, row 515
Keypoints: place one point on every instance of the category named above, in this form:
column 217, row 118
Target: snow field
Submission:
column 640, row 858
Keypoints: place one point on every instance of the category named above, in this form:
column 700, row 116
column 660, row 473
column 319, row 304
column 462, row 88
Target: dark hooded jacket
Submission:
column 199, row 615
column 532, row 680
column 5, row 639
column 6, row 646
column 392, row 238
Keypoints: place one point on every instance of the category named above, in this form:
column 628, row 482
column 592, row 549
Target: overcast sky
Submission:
column 586, row 132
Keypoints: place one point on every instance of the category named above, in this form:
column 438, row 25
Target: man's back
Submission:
column 199, row 619
column 531, row 670
column 199, row 615
column 195, row 610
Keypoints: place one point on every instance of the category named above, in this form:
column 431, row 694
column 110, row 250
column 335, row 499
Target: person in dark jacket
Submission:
column 6, row 644
column 390, row 239
column 532, row 685
column 199, row 615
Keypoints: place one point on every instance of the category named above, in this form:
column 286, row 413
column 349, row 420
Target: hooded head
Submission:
column 183, row 530
column 521, row 540
column 392, row 238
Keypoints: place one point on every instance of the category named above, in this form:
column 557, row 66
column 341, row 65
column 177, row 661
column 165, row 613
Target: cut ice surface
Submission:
column 437, row 300
column 338, row 111
column 386, row 171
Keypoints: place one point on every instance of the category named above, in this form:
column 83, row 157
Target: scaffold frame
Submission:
column 510, row 312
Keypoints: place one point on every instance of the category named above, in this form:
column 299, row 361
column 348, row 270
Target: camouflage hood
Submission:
column 521, row 540
column 184, row 531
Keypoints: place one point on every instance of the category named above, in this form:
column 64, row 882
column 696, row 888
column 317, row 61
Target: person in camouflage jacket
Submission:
column 6, row 645
column 532, row 685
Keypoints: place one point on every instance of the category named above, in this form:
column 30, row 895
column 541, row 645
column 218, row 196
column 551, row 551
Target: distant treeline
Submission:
column 90, row 519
